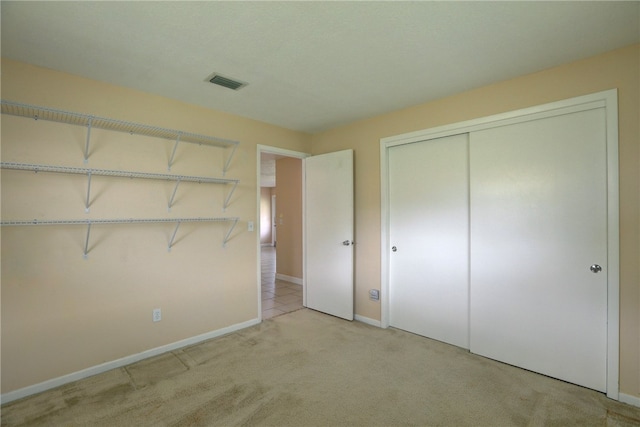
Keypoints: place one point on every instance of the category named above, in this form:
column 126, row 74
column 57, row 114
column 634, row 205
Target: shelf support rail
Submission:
column 86, row 146
column 175, row 147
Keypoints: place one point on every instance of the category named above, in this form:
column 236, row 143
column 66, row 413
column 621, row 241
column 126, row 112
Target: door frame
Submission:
column 260, row 149
column 606, row 99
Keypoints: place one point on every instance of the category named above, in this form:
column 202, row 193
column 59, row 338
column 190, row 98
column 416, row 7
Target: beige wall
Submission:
column 288, row 192
column 62, row 313
column 617, row 69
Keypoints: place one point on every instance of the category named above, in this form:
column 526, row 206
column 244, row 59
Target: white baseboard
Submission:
column 628, row 399
column 296, row 280
column 104, row 367
column 368, row 321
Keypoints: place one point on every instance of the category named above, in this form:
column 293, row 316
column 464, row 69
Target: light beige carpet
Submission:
column 309, row 369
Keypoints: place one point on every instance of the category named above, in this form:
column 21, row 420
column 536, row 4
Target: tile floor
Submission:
column 278, row 296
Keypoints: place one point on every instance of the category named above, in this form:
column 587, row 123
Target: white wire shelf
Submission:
column 123, row 174
column 112, row 221
column 90, row 222
column 116, row 173
column 91, row 121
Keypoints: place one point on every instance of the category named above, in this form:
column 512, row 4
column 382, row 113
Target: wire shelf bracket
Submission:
column 96, row 122
column 175, row 147
column 227, row 236
column 86, row 145
column 86, row 205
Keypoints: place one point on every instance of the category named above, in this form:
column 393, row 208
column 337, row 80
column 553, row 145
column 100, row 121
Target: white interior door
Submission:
column 329, row 233
column 538, row 223
column 429, row 232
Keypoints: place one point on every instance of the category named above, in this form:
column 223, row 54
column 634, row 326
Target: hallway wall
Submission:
column 288, row 193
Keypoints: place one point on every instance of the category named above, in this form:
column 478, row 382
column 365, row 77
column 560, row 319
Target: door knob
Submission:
column 595, row 268
column 394, row 249
column 347, row 242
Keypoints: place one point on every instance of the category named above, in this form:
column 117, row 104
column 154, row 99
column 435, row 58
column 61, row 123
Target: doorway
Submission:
column 280, row 269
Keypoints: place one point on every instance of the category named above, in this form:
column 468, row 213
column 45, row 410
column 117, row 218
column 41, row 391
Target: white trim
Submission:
column 367, row 320
column 606, row 99
column 281, row 152
column 629, row 400
column 384, row 232
column 118, row 363
column 285, row 153
column 304, row 233
column 296, row 280
column 581, row 103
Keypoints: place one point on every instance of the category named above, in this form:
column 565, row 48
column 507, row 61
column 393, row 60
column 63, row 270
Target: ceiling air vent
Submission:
column 219, row 80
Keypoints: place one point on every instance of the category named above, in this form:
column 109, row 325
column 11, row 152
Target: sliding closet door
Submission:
column 538, row 246
column 428, row 232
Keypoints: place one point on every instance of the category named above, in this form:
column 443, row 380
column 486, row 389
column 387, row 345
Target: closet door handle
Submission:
column 595, row 268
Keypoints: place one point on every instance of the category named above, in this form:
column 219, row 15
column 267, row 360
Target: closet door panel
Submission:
column 538, row 223
column 428, row 200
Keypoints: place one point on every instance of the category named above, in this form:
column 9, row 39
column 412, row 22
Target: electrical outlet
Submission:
column 157, row 315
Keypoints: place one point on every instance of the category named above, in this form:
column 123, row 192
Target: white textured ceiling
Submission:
column 311, row 65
